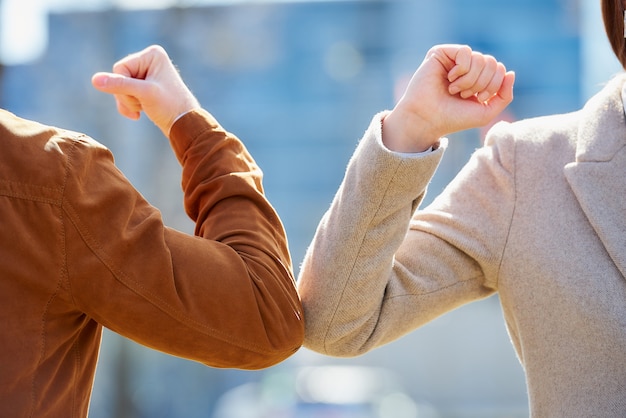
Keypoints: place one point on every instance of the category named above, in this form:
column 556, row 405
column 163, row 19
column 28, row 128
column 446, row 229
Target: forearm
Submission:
column 347, row 268
column 224, row 196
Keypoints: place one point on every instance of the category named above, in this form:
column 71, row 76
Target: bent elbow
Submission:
column 335, row 342
column 259, row 361
column 341, row 348
column 267, row 345
column 281, row 344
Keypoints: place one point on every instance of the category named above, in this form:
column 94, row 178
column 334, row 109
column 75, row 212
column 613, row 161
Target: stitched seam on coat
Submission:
column 508, row 234
column 358, row 254
column 65, row 273
column 20, row 186
column 43, row 347
column 54, row 295
column 430, row 292
column 31, row 197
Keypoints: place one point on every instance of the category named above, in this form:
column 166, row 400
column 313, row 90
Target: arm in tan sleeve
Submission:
column 372, row 275
column 225, row 297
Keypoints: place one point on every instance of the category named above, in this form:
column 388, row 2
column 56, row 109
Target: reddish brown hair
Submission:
column 613, row 16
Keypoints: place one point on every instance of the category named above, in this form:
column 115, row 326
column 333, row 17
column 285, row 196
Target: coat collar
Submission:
column 602, row 130
column 598, row 175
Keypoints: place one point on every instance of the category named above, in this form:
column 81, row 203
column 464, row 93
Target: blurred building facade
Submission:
column 299, row 82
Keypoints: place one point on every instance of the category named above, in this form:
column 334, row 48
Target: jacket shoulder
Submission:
column 38, row 156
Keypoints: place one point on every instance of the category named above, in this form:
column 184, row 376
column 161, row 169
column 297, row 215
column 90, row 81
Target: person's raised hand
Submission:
column 148, row 81
column 454, row 89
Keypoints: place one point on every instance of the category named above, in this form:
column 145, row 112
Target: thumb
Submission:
column 456, row 59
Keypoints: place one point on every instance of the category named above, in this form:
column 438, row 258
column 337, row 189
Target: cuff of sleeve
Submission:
column 378, row 120
column 389, row 172
column 188, row 127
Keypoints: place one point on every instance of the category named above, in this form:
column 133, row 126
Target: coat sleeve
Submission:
column 377, row 268
column 225, row 297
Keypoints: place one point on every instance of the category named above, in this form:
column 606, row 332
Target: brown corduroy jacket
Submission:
column 81, row 249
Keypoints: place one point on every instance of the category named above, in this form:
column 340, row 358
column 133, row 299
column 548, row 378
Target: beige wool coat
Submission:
column 538, row 215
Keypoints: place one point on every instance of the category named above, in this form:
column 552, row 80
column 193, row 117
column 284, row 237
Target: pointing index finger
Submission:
column 116, row 84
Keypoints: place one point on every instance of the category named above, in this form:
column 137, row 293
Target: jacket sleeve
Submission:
column 225, row 297
column 377, row 268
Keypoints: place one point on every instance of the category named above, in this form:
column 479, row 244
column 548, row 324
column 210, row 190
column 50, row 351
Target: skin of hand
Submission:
column 453, row 89
column 148, row 81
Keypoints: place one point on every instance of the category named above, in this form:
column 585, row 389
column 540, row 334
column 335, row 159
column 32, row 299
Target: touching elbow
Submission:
column 277, row 347
column 335, row 342
column 282, row 344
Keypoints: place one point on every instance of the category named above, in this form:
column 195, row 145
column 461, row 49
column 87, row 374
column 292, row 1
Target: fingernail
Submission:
column 454, row 90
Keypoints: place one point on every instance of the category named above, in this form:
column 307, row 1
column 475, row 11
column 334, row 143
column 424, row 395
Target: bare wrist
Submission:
column 400, row 133
column 190, row 104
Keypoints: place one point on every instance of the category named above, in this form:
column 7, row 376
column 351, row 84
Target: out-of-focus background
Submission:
column 299, row 81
